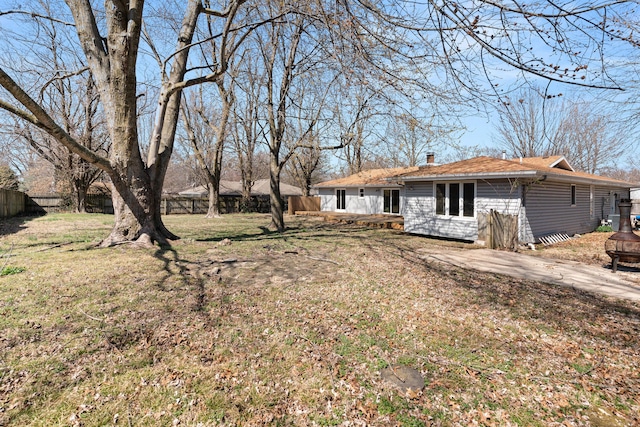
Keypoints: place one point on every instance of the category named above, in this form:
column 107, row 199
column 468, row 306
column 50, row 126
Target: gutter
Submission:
column 585, row 180
column 392, row 182
column 524, row 174
column 463, row 176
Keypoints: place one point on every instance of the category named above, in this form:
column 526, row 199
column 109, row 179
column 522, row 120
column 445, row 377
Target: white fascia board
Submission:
column 524, row 174
column 385, row 185
column 477, row 176
column 585, row 180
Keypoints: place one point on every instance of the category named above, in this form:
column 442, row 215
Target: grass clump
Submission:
column 8, row 270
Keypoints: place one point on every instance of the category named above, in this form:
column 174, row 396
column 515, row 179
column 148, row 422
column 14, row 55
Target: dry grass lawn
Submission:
column 234, row 325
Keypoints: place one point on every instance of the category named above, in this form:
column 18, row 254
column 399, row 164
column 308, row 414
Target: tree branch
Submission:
column 37, row 116
column 37, row 15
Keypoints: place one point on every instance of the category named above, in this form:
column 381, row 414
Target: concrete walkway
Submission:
column 560, row 272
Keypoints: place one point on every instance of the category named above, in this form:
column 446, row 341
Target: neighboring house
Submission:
column 452, row 200
column 234, row 188
column 368, row 192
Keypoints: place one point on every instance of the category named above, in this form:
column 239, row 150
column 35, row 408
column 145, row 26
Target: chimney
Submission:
column 504, row 154
column 431, row 158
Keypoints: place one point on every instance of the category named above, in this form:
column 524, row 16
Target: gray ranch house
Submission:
column 543, row 195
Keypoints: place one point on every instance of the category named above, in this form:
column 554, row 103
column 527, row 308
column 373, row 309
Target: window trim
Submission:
column 446, row 202
column 339, row 199
column 574, row 195
column 391, row 190
column 361, row 193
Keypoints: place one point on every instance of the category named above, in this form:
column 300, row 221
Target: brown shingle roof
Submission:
column 488, row 167
column 477, row 168
column 372, row 177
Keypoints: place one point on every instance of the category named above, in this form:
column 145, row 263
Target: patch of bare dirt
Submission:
column 587, row 249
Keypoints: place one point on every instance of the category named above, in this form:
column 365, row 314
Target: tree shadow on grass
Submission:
column 13, row 225
column 300, row 231
column 613, row 320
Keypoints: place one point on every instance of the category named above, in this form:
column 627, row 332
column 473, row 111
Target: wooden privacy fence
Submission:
column 12, row 203
column 499, row 231
column 15, row 203
column 303, row 203
column 45, row 203
column 200, row 205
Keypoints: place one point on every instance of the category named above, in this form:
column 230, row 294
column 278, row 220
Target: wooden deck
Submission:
column 395, row 222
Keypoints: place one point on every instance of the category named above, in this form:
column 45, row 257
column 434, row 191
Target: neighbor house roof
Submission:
column 492, row 168
column 368, row 178
column 234, row 188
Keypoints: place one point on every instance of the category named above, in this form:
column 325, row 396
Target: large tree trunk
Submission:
column 277, row 205
column 246, row 202
column 134, row 215
column 306, row 190
column 214, row 199
column 80, row 189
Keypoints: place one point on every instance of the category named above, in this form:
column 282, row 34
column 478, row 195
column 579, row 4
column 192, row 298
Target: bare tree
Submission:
column 304, row 165
column 208, row 144
column 593, row 141
column 537, row 124
column 77, row 107
column 354, row 114
column 246, row 128
column 410, row 138
column 285, row 61
column 528, row 125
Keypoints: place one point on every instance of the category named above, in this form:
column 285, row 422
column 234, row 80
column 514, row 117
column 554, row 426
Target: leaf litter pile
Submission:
column 234, row 325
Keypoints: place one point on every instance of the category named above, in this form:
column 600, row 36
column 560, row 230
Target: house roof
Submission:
column 368, row 178
column 555, row 167
column 234, row 188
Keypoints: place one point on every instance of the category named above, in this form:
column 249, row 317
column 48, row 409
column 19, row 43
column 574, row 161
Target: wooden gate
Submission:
column 501, row 230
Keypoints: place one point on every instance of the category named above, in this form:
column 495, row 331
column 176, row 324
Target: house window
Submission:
column 391, row 201
column 361, row 193
column 573, row 195
column 468, row 199
column 341, row 199
column 455, row 198
column 441, row 191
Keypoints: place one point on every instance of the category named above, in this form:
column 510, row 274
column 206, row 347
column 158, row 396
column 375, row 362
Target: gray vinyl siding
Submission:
column 327, row 199
column 499, row 195
column 548, row 209
column 419, row 208
column 372, row 202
